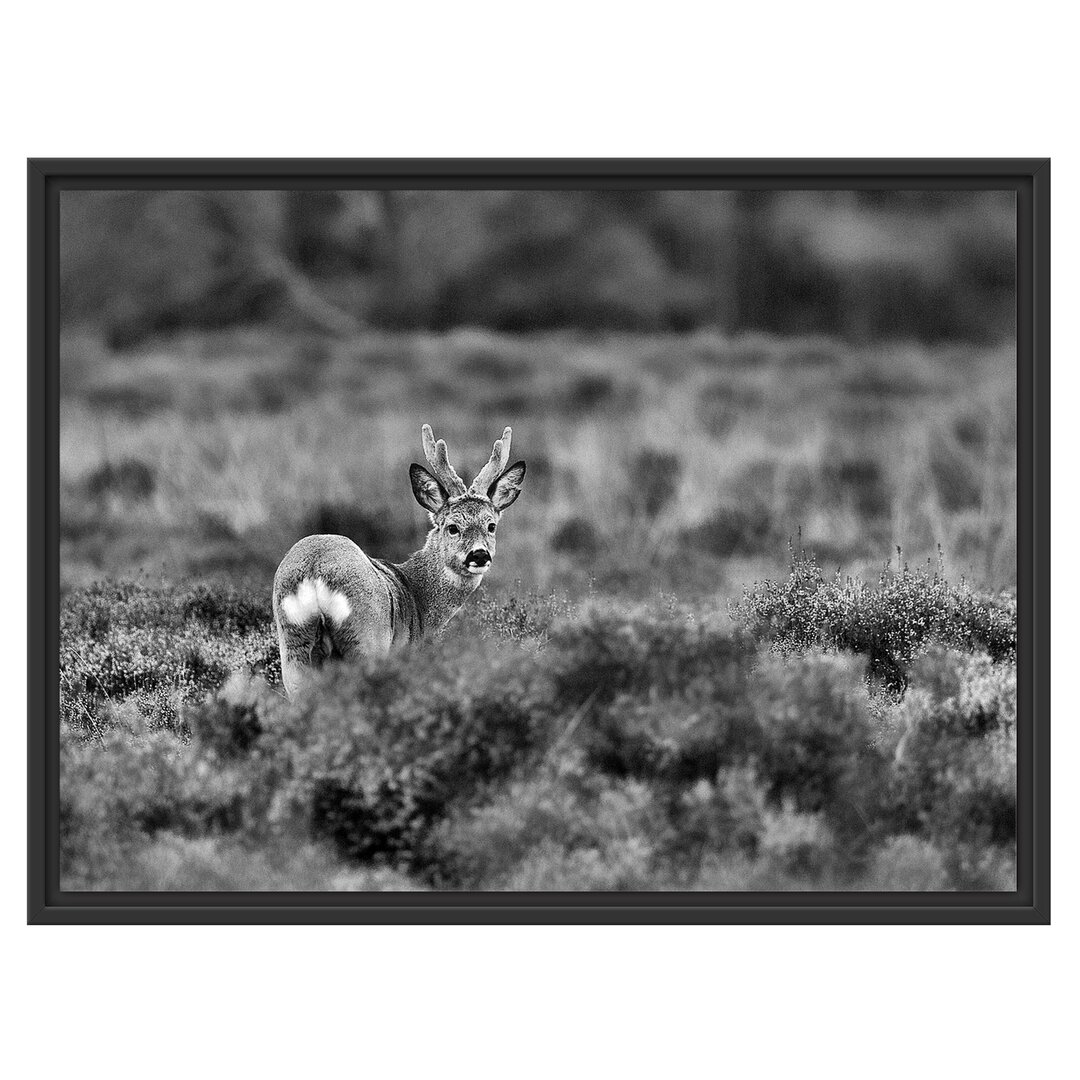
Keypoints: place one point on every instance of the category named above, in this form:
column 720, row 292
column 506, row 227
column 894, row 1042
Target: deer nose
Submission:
column 478, row 557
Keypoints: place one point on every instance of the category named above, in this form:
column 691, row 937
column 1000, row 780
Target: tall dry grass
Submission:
column 690, row 460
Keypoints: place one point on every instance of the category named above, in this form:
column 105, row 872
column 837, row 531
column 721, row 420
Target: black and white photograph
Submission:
column 612, row 540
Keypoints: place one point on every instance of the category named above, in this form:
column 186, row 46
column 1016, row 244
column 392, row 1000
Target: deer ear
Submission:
column 428, row 491
column 508, row 487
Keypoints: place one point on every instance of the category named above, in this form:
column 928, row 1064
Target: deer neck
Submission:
column 437, row 591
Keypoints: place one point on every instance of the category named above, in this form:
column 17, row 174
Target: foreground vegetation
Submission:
column 540, row 745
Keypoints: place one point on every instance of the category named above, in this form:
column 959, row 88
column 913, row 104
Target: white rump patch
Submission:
column 314, row 597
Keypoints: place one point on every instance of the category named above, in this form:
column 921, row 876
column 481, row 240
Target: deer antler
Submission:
column 441, row 469
column 500, row 455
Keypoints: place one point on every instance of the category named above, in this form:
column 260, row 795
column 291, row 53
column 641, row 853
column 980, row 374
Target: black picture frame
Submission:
column 1029, row 178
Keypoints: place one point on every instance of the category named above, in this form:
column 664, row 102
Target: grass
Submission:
column 600, row 716
column 174, row 462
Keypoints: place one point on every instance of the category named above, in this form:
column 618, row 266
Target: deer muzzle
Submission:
column 478, row 560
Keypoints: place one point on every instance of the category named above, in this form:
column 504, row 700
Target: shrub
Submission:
column 726, row 813
column 861, row 481
column 373, row 759
column 669, row 740
column 721, row 405
column 542, row 474
column 646, row 652
column 955, row 761
column 576, row 536
column 151, row 813
column 732, row 530
column 225, row 609
column 971, row 430
column 817, row 754
column 591, row 391
column 490, row 364
column 565, row 829
column 534, row 747
column 156, row 648
column 653, row 693
column 907, row 864
column 118, row 794
column 956, row 476
column 889, row 624
column 718, row 412
column 225, row 864
column 653, row 477
column 798, row 844
column 127, row 478
column 381, row 533
column 520, row 619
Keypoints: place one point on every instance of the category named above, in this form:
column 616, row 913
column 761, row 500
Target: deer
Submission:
column 331, row 601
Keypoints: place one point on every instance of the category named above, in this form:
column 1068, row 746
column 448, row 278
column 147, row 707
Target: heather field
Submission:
column 700, row 661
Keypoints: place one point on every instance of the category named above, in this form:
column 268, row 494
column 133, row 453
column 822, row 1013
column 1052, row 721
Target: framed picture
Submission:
column 539, row 541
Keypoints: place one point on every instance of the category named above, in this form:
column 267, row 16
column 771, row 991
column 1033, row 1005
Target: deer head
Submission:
column 465, row 519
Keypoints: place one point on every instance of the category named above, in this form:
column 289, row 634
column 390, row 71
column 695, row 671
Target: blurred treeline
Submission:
column 860, row 265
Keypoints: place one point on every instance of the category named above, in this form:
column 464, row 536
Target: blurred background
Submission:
column 695, row 378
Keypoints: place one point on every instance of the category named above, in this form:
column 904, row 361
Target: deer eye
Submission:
column 491, row 526
column 452, row 529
